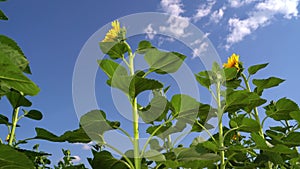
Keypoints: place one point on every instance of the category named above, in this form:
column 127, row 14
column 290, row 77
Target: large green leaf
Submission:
column 110, row 68
column 16, row 99
column 154, row 155
column 11, row 76
column 191, row 154
column 242, row 99
column 230, row 73
column 144, row 46
column 156, row 110
column 296, row 115
column 134, row 85
column 293, row 139
column 12, row 159
column 185, row 106
column 95, row 124
column 281, row 109
column 11, row 49
column 266, row 83
column 114, row 50
column 3, row 16
column 164, row 62
column 75, row 136
column 105, row 160
column 245, row 124
column 206, row 78
column 253, row 69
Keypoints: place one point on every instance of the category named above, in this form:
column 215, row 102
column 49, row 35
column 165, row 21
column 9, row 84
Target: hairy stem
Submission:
column 256, row 116
column 14, row 126
column 220, row 115
column 135, row 115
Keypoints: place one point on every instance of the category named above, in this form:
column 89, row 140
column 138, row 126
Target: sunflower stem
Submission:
column 135, row 115
column 14, row 126
column 220, row 125
column 256, row 116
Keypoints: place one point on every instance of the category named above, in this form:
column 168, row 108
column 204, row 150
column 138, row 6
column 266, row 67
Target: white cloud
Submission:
column 200, row 50
column 176, row 26
column 86, row 146
column 261, row 16
column 239, row 3
column 204, row 10
column 288, row 8
column 176, row 23
column 199, row 41
column 172, row 7
column 217, row 15
column 150, row 32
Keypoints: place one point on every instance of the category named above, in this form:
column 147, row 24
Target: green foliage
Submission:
column 11, row 158
column 243, row 142
column 75, row 136
column 3, row 16
column 115, row 50
column 163, row 62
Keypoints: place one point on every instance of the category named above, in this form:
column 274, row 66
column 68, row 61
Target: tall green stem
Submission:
column 256, row 116
column 14, row 125
column 220, row 115
column 135, row 115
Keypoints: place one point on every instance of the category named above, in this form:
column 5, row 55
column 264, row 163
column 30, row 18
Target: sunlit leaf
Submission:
column 95, row 124
column 16, row 99
column 281, row 109
column 242, row 99
column 114, row 50
column 75, row 136
column 12, row 159
column 144, row 46
column 253, row 69
column 266, row 83
column 134, row 85
column 33, row 114
column 156, row 110
column 110, row 68
column 12, row 51
column 11, row 76
column 230, row 73
column 154, row 155
column 245, row 124
column 104, row 159
column 164, row 62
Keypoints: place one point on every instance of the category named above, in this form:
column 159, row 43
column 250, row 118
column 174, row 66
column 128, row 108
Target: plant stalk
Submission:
column 135, row 115
column 256, row 116
column 14, row 126
column 221, row 137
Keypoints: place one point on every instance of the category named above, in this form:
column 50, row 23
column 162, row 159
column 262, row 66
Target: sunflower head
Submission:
column 116, row 33
column 233, row 61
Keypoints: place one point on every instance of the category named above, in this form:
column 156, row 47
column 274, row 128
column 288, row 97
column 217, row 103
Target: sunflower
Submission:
column 114, row 33
column 233, row 61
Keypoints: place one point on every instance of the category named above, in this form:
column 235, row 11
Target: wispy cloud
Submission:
column 239, row 3
column 217, row 15
column 262, row 15
column 150, row 32
column 176, row 24
column 204, row 10
column 200, row 46
column 172, row 7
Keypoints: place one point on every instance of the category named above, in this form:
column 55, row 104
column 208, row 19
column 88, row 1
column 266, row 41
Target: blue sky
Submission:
column 52, row 33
